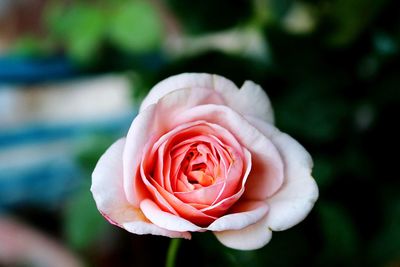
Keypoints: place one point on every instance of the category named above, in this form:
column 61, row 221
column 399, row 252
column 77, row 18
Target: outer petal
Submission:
column 109, row 195
column 291, row 204
column 249, row 100
column 252, row 237
column 145, row 128
column 180, row 81
column 242, row 215
column 166, row 220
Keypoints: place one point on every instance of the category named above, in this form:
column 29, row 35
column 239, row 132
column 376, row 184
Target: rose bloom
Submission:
column 204, row 155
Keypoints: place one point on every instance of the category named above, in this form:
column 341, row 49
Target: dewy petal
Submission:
column 291, row 204
column 109, row 195
column 252, row 237
column 249, row 100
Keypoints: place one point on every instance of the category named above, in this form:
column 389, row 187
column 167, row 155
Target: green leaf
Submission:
column 91, row 148
column 339, row 232
column 81, row 28
column 384, row 248
column 84, row 40
column 28, row 46
column 83, row 222
column 53, row 13
column 278, row 8
column 351, row 18
column 323, row 171
column 320, row 120
column 136, row 27
column 278, row 252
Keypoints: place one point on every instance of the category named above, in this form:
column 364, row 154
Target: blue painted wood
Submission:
column 42, row 133
column 47, row 180
column 45, row 184
column 22, row 70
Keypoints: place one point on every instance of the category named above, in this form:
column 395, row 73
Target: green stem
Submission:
column 172, row 252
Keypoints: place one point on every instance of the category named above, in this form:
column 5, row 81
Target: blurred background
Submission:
column 73, row 72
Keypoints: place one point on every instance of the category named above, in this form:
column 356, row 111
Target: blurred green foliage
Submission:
column 86, row 28
column 341, row 236
column 136, row 27
column 333, row 75
column 83, row 224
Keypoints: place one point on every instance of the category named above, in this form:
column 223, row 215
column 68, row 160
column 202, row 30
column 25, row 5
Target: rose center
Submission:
column 196, row 169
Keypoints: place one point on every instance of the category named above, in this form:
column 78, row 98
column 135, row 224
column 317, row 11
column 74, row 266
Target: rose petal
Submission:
column 146, row 227
column 266, row 176
column 220, row 195
column 291, row 204
column 233, row 198
column 184, row 80
column 109, row 195
column 249, row 100
column 251, row 237
column 166, row 220
column 143, row 128
column 241, row 215
column 181, row 208
column 186, row 106
column 181, row 102
column 204, row 195
column 245, row 214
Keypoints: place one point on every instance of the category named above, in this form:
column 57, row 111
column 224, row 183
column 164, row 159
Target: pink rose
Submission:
column 203, row 155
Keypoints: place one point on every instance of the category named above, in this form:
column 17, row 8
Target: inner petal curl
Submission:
column 199, row 165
